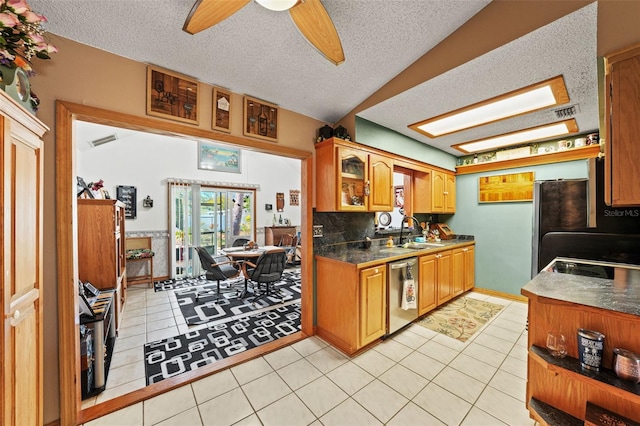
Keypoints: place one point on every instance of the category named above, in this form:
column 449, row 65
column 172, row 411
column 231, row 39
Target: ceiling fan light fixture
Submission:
column 528, row 99
column 538, row 133
column 277, row 5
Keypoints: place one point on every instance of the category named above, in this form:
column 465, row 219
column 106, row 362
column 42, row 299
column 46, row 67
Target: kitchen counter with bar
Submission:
column 566, row 296
column 358, row 290
column 354, row 253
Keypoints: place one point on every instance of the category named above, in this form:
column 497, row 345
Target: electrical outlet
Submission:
column 317, row 231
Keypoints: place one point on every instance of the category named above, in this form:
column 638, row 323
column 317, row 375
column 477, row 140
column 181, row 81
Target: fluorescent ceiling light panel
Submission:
column 532, row 98
column 528, row 135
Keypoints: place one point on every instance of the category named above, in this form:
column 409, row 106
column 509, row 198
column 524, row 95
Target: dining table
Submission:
column 242, row 255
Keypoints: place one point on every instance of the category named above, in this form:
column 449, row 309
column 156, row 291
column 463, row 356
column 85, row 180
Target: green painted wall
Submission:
column 503, row 231
column 376, row 136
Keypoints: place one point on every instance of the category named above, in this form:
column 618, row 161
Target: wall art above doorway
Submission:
column 172, row 96
column 260, row 119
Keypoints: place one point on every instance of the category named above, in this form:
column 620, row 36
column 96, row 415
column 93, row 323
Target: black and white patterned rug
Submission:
column 173, row 356
column 179, row 283
column 206, row 309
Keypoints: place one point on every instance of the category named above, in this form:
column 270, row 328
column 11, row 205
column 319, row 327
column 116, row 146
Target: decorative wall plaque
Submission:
column 128, row 195
column 294, row 197
column 221, row 119
column 280, row 201
column 260, row 119
column 172, row 96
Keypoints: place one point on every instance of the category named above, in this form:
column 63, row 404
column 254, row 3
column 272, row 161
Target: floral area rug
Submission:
column 460, row 318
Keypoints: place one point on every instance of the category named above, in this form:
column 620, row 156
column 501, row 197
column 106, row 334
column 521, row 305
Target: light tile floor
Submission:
column 418, row 377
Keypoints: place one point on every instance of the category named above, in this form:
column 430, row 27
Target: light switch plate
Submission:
column 317, row 231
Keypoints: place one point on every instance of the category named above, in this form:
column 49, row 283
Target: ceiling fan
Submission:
column 310, row 17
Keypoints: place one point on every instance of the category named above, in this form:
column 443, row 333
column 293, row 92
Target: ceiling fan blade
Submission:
column 207, row 13
column 314, row 23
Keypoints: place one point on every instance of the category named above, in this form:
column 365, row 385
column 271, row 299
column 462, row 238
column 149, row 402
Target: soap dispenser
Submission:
column 390, row 241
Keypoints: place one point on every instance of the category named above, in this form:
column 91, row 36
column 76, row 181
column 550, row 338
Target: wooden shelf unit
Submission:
column 101, row 247
column 561, row 383
column 590, row 151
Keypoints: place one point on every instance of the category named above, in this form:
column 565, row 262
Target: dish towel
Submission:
column 409, row 295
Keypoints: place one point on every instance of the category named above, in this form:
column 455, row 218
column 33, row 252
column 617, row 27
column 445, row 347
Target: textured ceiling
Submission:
column 565, row 47
column 262, row 54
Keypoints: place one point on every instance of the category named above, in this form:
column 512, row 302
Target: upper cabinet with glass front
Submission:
column 350, row 178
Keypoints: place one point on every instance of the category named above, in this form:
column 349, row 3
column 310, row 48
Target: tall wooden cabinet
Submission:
column 21, row 335
column 622, row 127
column 101, row 252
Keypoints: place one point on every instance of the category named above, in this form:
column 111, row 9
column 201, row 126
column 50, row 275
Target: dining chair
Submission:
column 218, row 268
column 266, row 270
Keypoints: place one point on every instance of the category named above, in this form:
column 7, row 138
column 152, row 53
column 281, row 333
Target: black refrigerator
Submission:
column 571, row 219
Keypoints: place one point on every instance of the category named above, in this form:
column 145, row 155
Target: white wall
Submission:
column 146, row 160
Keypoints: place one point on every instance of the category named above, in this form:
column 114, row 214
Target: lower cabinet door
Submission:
column 373, row 304
column 428, row 288
column 445, row 276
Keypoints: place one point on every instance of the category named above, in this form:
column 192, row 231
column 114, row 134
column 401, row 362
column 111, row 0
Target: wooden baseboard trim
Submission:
column 514, row 297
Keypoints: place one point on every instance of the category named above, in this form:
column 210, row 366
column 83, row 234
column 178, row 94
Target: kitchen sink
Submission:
column 398, row 250
column 415, row 245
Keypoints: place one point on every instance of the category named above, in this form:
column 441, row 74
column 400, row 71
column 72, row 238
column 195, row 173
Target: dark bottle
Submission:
column 262, row 122
column 280, row 220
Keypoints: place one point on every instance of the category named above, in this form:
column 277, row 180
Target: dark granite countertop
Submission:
column 619, row 294
column 377, row 253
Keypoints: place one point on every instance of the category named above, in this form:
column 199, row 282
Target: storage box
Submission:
column 598, row 416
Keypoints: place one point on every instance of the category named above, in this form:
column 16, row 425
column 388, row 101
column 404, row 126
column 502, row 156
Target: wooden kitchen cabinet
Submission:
column 21, row 258
column 373, row 304
column 351, row 310
column 469, row 268
column 421, row 192
column 443, row 192
column 101, row 252
column 428, row 284
column 463, row 269
column 351, row 178
column 444, row 276
column 622, row 127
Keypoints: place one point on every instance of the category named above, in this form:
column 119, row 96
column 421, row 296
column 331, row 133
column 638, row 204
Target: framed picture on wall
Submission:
column 260, row 119
column 221, row 119
column 171, row 96
column 219, row 158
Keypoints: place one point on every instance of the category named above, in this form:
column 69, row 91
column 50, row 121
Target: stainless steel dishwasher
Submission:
column 397, row 271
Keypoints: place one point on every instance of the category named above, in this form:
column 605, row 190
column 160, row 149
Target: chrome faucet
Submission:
column 404, row 219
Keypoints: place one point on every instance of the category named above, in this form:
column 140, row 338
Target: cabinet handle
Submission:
column 438, row 256
column 367, row 189
column 446, row 192
column 377, row 270
column 16, row 315
column 465, row 249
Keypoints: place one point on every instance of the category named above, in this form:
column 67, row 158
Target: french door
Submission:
column 208, row 216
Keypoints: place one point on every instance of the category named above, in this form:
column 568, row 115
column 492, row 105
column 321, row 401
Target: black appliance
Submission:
column 570, row 219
